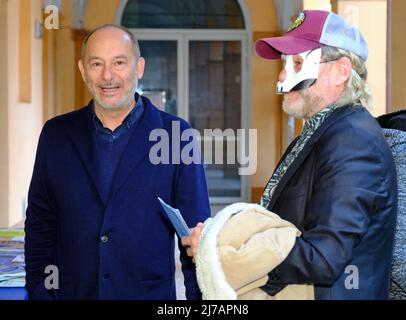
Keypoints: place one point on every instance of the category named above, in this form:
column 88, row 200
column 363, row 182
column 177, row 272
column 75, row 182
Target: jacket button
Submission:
column 104, row 238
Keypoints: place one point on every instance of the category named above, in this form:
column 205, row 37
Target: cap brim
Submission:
column 272, row 48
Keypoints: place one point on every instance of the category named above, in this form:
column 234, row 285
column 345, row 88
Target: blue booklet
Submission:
column 176, row 218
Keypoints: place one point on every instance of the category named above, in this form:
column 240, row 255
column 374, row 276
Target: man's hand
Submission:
column 192, row 242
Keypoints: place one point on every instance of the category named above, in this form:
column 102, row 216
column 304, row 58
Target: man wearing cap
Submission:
column 336, row 182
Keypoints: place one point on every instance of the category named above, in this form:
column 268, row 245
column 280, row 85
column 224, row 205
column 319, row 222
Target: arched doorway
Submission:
column 198, row 67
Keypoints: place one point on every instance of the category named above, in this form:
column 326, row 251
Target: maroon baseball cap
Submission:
column 314, row 29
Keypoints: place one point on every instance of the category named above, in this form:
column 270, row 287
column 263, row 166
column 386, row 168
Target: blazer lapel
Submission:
column 83, row 140
column 138, row 146
column 335, row 116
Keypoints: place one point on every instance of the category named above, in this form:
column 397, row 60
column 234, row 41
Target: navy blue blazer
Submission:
column 341, row 193
column 120, row 249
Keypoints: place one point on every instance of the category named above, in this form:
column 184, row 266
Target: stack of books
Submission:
column 12, row 265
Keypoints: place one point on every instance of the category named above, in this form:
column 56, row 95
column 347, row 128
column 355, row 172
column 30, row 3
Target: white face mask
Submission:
column 301, row 74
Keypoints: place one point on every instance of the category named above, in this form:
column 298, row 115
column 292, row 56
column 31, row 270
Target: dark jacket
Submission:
column 341, row 193
column 394, row 127
column 120, row 249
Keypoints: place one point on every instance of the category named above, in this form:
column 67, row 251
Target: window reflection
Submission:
column 160, row 80
column 215, row 103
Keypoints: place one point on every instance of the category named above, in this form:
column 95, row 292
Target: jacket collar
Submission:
column 128, row 121
column 338, row 114
column 83, row 138
column 394, row 120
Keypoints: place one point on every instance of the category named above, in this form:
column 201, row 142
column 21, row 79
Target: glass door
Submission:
column 160, row 80
column 215, row 104
column 200, row 77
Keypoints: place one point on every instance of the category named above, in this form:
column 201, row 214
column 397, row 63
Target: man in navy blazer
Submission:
column 336, row 182
column 93, row 217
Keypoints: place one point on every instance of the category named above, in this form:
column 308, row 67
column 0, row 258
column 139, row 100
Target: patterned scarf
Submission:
column 309, row 129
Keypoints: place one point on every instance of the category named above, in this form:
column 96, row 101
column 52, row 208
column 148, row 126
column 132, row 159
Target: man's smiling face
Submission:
column 110, row 69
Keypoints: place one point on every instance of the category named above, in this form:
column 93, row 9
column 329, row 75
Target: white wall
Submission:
column 24, row 119
column 317, row 5
column 3, row 116
column 371, row 17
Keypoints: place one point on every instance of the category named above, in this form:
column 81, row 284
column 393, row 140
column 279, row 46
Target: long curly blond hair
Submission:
column 357, row 88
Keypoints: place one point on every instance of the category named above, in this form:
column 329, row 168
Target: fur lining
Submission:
column 209, row 272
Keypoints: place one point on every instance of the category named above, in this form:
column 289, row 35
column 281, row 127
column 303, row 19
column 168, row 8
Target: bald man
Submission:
column 94, row 227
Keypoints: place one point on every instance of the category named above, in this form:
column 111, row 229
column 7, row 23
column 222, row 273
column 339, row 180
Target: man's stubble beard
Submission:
column 303, row 106
column 123, row 103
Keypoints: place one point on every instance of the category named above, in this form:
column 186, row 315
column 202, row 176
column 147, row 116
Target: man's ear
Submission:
column 140, row 67
column 82, row 69
column 344, row 67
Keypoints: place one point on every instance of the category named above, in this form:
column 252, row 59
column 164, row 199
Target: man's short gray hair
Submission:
column 134, row 41
column 357, row 88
